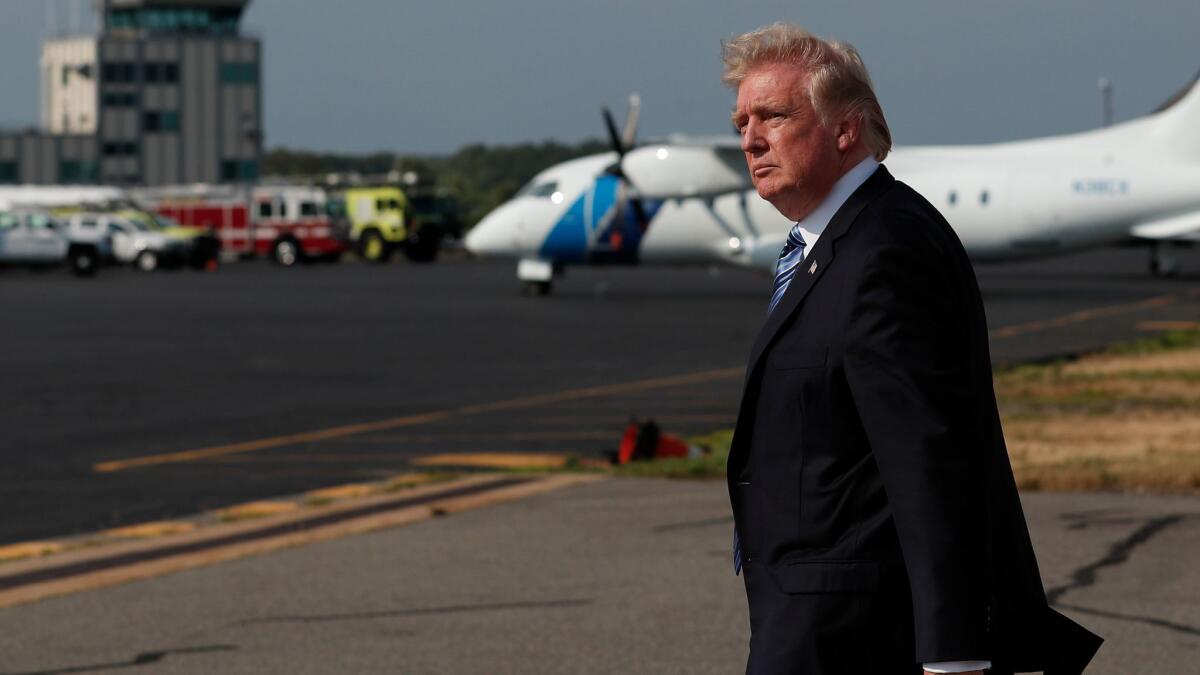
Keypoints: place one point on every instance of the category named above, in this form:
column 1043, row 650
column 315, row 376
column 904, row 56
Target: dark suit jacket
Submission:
column 879, row 521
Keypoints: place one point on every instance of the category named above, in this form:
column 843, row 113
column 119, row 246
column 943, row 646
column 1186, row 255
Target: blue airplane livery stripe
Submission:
column 589, row 230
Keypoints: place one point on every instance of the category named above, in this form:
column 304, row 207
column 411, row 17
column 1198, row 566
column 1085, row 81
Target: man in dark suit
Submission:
column 878, row 526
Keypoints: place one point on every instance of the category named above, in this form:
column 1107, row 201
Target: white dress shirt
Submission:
column 811, row 227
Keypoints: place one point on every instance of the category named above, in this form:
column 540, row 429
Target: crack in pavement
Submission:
column 426, row 611
column 1117, row 554
column 141, row 659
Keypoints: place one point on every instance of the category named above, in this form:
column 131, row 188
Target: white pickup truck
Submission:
column 127, row 241
column 33, row 238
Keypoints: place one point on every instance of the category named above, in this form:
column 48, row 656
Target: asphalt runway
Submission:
column 130, row 397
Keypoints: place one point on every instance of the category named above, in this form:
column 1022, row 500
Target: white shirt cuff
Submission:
column 957, row 666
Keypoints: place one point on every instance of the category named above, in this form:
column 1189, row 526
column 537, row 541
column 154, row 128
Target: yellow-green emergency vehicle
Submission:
column 378, row 221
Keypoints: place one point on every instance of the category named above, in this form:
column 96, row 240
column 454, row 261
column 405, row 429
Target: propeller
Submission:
column 622, row 143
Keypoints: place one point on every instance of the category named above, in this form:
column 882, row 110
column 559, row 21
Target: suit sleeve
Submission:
column 906, row 365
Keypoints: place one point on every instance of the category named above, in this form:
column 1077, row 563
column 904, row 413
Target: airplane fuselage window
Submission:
column 952, row 198
column 983, row 198
column 539, row 190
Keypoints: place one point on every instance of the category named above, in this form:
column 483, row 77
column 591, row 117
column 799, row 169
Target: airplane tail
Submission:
column 1176, row 125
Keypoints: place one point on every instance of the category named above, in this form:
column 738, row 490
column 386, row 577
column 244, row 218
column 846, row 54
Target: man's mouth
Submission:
column 760, row 171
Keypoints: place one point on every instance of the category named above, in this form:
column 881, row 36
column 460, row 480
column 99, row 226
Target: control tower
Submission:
column 167, row 92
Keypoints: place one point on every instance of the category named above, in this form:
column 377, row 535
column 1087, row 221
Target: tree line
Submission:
column 480, row 177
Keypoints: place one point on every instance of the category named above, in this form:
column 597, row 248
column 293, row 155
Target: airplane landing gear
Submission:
column 537, row 277
column 1162, row 263
column 537, row 289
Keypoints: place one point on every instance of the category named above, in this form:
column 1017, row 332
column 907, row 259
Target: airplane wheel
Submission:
column 1164, row 266
column 537, row 289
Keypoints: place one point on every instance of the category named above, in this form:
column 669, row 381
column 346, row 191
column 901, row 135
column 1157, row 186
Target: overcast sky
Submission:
column 429, row 77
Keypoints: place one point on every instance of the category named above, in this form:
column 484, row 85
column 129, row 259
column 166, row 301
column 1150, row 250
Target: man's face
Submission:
column 794, row 160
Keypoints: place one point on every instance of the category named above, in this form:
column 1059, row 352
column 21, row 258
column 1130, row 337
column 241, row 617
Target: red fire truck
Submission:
column 289, row 223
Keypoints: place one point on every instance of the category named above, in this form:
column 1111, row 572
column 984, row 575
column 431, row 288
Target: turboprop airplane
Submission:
column 690, row 200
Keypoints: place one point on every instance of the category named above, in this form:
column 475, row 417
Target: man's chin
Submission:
column 774, row 198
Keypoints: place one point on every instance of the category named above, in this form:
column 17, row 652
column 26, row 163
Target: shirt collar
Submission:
column 815, row 223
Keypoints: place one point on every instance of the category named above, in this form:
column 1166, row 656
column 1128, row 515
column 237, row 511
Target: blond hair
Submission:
column 838, row 83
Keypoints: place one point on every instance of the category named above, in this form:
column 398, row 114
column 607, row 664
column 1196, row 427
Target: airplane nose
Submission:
column 491, row 236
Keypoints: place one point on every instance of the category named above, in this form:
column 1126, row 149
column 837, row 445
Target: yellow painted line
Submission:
column 413, row 420
column 495, row 460
column 283, row 458
column 256, row 510
column 582, row 418
column 266, row 443
column 1169, row 325
column 336, row 492
column 28, row 549
column 257, row 546
column 613, row 434
column 1080, row 316
column 159, row 528
column 603, row 390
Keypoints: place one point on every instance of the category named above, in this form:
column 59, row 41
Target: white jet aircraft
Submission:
column 689, row 201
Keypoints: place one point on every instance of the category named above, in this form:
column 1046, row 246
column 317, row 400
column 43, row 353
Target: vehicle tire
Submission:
column 286, row 252
column 146, row 261
column 422, row 245
column 83, row 261
column 372, row 247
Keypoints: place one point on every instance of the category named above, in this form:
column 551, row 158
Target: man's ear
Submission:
column 848, row 133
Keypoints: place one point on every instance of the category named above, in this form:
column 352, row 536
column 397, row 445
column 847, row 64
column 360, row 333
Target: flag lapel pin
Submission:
column 813, row 269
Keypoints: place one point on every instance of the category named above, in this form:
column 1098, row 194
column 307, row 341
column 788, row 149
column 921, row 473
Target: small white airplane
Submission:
column 690, row 201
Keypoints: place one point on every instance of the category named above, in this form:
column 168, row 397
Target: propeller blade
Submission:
column 629, row 134
column 613, row 137
column 622, row 143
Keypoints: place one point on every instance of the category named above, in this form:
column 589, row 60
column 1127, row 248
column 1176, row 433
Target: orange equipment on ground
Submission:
column 643, row 441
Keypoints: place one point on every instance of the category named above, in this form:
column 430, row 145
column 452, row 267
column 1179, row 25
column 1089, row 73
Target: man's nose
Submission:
column 752, row 140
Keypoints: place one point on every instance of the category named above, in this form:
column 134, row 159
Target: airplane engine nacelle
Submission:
column 678, row 171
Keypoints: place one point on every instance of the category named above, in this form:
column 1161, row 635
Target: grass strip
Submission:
column 1125, row 419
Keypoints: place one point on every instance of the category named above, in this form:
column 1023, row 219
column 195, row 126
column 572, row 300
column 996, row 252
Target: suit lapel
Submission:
column 817, row 261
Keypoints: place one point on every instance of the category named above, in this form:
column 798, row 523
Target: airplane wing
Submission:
column 1182, row 226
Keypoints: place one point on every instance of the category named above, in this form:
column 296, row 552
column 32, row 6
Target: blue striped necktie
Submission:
column 785, row 269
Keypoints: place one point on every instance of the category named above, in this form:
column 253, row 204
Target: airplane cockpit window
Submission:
column 545, row 189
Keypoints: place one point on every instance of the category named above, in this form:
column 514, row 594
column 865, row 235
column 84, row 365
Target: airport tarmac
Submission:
column 615, row 576
column 131, row 398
